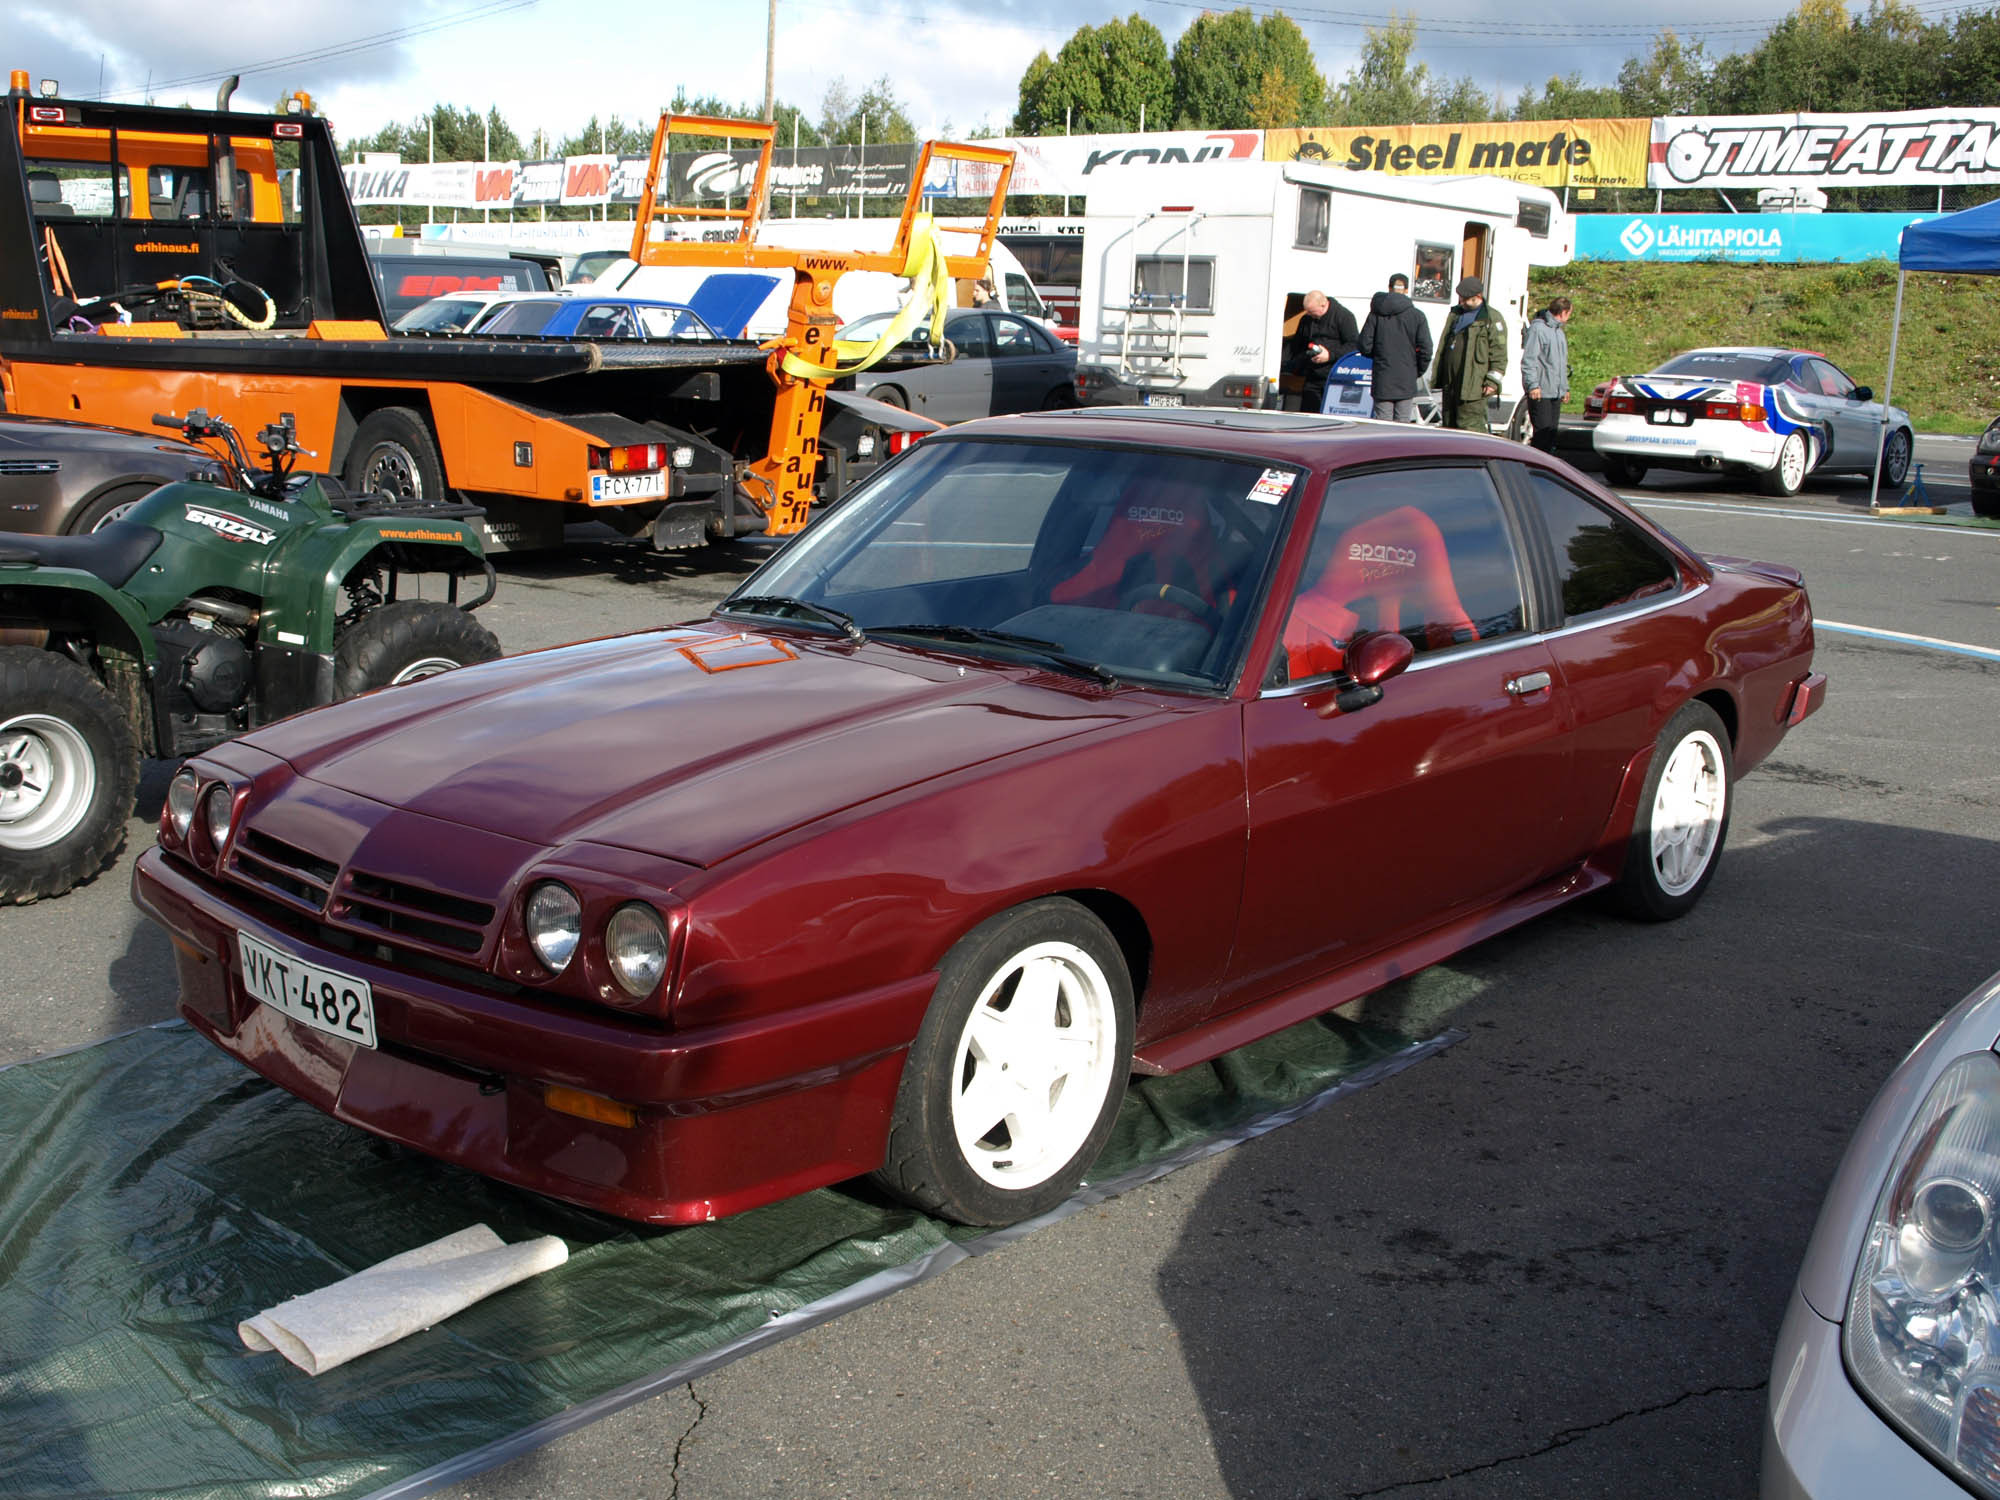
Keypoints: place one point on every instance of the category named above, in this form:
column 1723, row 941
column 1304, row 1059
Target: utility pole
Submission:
column 770, row 64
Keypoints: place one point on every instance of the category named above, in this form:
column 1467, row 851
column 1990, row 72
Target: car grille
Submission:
column 360, row 902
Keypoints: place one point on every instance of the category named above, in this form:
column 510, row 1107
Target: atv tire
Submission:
column 405, row 641
column 69, row 775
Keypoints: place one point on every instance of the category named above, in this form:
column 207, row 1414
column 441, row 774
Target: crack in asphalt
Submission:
column 1561, row 1440
column 674, row 1474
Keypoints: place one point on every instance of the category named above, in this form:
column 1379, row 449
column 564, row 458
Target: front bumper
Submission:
column 1984, row 472
column 728, row 1116
column 1702, row 444
column 1821, row 1440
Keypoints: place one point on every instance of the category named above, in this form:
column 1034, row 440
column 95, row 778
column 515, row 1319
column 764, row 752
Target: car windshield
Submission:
column 876, row 324
column 523, row 319
column 441, row 315
column 1091, row 559
column 1727, row 364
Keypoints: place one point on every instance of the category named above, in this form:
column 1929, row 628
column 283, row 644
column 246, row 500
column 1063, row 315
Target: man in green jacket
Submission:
column 1471, row 357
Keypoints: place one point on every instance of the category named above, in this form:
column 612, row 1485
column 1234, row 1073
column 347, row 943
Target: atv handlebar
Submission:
column 280, row 440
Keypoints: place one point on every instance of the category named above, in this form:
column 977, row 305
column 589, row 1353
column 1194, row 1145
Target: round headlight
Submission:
column 180, row 802
column 635, row 943
column 555, row 923
column 216, row 808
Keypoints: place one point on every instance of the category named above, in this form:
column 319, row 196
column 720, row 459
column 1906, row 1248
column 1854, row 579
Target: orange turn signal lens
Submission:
column 590, row 1106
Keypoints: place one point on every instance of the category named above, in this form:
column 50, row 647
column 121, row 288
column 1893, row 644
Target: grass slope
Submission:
column 1630, row 317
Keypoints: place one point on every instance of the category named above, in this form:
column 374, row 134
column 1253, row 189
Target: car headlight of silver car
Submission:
column 1922, row 1334
column 553, row 918
column 635, row 945
column 1989, row 440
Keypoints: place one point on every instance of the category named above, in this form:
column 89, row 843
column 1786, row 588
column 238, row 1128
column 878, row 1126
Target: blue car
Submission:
column 561, row 316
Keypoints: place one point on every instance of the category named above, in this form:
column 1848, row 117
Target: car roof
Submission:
column 1765, row 350
column 1302, row 438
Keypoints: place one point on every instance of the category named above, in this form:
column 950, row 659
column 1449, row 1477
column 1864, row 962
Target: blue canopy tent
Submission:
column 1967, row 242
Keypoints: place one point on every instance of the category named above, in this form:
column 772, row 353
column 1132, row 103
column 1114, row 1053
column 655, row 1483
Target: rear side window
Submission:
column 521, row 319
column 1602, row 559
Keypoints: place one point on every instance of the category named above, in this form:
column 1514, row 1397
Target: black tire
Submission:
column 1090, row 1004
column 1896, row 451
column 1664, row 877
column 69, row 774
column 1623, row 473
column 407, row 640
column 107, row 507
column 1519, row 428
column 889, row 395
column 1062, row 398
column 1986, row 503
column 393, row 453
column 1786, row 478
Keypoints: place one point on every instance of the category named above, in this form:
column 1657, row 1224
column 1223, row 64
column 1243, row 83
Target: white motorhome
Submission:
column 1193, row 274
column 855, row 295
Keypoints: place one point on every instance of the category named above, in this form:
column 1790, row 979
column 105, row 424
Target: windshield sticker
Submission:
column 231, row 527
column 1272, row 485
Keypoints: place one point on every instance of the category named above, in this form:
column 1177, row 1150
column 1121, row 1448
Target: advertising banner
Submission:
column 448, row 184
column 1741, row 237
column 1926, row 147
column 817, row 171
column 1548, row 153
column 1068, row 164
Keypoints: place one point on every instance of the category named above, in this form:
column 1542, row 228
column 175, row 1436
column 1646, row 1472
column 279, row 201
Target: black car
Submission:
column 58, row 477
column 1984, row 472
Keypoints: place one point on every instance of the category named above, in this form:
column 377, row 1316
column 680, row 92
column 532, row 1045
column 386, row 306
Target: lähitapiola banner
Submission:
column 1927, row 147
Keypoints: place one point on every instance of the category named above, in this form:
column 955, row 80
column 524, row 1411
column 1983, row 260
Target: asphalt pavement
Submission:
column 1550, row 1261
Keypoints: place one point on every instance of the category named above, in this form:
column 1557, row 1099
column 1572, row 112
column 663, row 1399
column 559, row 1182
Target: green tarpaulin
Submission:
column 153, row 1194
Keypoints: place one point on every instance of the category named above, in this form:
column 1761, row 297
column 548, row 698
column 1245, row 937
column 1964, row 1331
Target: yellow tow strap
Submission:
column 930, row 297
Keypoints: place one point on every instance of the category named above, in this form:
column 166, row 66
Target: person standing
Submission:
column 1326, row 331
column 1471, row 357
column 1545, row 371
column 1398, row 340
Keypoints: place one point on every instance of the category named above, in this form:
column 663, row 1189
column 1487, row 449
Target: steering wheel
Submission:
column 1172, row 593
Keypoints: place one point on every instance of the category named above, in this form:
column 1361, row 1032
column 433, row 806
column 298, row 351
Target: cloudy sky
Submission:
column 550, row 65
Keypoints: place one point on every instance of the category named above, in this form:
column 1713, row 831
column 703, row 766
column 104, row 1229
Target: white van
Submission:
column 1192, row 274
column 855, row 295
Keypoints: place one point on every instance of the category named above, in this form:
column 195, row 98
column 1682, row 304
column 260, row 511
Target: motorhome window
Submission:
column 1173, row 281
column 66, row 190
column 1431, row 279
column 1533, row 217
column 1315, row 218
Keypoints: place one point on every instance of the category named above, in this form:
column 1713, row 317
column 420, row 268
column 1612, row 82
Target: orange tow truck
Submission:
column 149, row 261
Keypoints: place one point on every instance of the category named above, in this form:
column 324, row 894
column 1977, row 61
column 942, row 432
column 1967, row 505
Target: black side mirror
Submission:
column 1372, row 660
column 1864, row 393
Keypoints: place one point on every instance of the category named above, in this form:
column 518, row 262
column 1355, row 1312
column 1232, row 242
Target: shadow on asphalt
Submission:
column 1552, row 1261
column 596, row 551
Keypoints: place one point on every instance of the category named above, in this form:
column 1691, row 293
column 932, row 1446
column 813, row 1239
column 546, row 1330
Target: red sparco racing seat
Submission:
column 1390, row 572
column 1158, row 544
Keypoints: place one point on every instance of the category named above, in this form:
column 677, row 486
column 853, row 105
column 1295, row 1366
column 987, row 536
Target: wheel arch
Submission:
column 1724, row 703
column 1128, row 929
column 359, row 402
column 140, row 485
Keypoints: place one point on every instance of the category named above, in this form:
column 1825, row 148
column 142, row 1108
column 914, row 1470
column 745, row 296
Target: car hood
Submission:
column 693, row 744
column 55, row 436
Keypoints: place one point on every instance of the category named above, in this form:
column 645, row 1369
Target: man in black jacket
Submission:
column 1398, row 339
column 1325, row 332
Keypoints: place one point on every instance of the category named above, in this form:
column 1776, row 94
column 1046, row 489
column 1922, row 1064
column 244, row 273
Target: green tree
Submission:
column 842, row 111
column 1109, row 77
column 616, row 136
column 1568, row 98
column 1386, row 88
column 457, row 135
column 1225, row 65
column 1820, row 58
column 1968, row 70
column 1673, row 78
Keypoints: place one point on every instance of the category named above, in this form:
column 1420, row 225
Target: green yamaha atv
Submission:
column 200, row 614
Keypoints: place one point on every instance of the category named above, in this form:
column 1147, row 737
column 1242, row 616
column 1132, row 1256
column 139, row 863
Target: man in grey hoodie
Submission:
column 1545, row 371
column 1398, row 340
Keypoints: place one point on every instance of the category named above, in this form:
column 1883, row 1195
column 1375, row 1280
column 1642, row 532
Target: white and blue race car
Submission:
column 1780, row 414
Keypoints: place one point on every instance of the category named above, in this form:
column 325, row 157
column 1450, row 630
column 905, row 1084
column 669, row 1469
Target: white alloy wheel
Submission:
column 47, row 778
column 428, row 666
column 1034, row 1062
column 1788, row 475
column 1688, row 811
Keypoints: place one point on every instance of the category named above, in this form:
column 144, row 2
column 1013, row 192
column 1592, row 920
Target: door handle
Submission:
column 1528, row 682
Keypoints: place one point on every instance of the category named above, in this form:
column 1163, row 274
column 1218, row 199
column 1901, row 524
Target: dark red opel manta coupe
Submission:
column 1073, row 745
